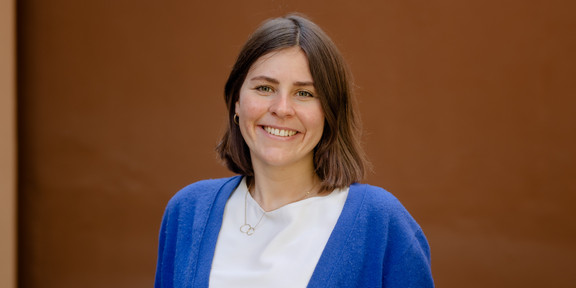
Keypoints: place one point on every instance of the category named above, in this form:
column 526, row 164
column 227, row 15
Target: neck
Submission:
column 274, row 188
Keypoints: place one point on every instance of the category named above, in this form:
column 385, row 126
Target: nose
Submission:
column 282, row 105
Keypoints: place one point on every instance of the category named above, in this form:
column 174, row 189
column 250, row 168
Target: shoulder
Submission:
column 380, row 206
column 203, row 192
column 406, row 253
column 376, row 198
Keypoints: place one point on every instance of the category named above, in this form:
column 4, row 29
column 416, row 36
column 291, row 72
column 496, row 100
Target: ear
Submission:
column 237, row 106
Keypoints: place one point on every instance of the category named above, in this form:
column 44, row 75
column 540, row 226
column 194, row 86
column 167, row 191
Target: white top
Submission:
column 285, row 246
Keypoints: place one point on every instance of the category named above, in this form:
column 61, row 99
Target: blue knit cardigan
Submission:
column 375, row 242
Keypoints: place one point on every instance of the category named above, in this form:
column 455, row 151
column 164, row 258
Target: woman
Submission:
column 296, row 216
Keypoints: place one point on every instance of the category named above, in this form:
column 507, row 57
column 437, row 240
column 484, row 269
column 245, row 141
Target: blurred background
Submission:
column 110, row 107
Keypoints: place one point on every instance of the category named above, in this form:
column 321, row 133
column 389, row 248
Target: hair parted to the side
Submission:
column 339, row 159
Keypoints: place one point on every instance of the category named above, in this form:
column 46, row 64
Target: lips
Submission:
column 280, row 132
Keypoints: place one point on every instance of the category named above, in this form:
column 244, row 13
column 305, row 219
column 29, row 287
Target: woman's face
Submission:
column 280, row 115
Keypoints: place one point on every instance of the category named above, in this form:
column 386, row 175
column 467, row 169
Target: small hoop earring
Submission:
column 236, row 119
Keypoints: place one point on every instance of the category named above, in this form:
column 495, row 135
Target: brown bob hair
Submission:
column 338, row 157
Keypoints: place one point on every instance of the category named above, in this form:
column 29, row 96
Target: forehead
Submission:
column 291, row 60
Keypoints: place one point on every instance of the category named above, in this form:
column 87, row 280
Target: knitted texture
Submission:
column 375, row 243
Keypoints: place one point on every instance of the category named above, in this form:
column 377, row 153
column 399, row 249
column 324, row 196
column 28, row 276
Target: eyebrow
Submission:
column 274, row 81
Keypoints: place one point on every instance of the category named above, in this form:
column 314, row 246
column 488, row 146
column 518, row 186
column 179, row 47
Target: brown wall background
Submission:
column 468, row 109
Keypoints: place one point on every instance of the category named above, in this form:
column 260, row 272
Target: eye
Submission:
column 265, row 89
column 304, row 93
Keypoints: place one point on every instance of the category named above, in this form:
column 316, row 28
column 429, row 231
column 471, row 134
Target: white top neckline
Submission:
column 252, row 202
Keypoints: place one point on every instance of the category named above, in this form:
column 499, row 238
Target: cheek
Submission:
column 248, row 111
column 244, row 102
column 251, row 108
column 315, row 123
column 317, row 118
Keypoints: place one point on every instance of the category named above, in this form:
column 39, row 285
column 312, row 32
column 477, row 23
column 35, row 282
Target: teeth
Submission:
column 279, row 132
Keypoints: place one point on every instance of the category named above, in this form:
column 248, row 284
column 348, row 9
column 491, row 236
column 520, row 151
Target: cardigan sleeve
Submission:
column 186, row 245
column 411, row 267
column 406, row 254
column 166, row 250
column 180, row 233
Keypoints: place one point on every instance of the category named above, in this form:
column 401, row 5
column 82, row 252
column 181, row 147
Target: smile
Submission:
column 280, row 132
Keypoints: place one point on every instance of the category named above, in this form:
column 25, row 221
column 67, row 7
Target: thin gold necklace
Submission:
column 248, row 229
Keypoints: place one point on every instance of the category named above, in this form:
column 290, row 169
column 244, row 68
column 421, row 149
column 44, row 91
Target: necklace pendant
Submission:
column 244, row 228
column 247, row 229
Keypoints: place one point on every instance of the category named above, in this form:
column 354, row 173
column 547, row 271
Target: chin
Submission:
column 278, row 162
column 282, row 162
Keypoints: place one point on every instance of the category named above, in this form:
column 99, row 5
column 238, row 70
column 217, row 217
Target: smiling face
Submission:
column 280, row 115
